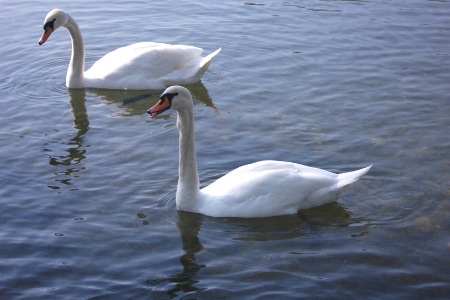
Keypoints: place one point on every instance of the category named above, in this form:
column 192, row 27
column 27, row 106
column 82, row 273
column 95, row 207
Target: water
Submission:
column 88, row 184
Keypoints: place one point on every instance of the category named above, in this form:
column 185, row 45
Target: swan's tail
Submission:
column 349, row 177
column 197, row 66
column 204, row 64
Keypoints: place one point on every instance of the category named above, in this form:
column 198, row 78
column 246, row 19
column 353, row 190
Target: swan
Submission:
column 138, row 66
column 261, row 189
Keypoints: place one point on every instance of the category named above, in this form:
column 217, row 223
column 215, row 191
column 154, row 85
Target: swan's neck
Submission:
column 188, row 183
column 75, row 72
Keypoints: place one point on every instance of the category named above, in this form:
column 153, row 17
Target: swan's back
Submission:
column 145, row 65
column 269, row 188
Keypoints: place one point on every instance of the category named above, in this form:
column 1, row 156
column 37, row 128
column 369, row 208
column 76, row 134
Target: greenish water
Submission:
column 87, row 183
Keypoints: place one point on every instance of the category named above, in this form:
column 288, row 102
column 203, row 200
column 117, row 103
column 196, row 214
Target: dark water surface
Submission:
column 88, row 183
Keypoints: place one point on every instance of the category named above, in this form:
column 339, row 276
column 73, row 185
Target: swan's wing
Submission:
column 269, row 174
column 270, row 186
column 142, row 62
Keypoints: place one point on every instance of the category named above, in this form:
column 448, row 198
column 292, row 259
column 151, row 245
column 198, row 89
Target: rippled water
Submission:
column 88, row 183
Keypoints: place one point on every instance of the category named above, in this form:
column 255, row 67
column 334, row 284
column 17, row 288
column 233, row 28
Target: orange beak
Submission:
column 45, row 35
column 162, row 105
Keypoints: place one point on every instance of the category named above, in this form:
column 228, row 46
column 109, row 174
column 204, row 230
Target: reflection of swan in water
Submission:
column 304, row 226
column 74, row 149
column 77, row 99
column 189, row 226
column 132, row 103
column 287, row 227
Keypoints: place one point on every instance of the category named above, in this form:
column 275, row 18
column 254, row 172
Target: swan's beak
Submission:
column 47, row 31
column 162, row 105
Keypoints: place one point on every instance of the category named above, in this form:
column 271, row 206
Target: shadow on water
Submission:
column 132, row 102
column 305, row 223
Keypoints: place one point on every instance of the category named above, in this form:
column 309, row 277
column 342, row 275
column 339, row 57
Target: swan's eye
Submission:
column 50, row 24
column 168, row 96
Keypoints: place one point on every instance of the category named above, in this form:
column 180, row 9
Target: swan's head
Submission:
column 175, row 97
column 54, row 19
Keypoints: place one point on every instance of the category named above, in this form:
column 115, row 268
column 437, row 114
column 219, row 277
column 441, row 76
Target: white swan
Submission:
column 261, row 189
column 138, row 66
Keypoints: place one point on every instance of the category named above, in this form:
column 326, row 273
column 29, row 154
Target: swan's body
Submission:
column 261, row 189
column 138, row 66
